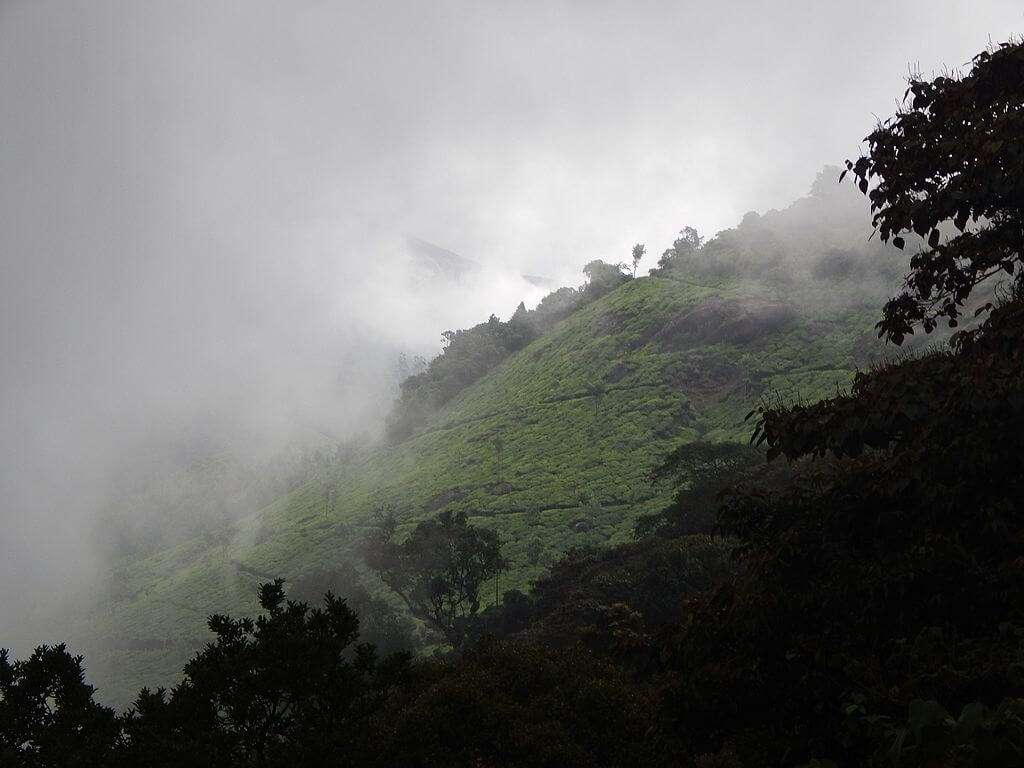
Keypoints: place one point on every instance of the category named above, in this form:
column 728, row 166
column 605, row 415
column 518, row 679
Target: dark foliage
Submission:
column 700, row 472
column 516, row 704
column 47, row 713
column 953, row 153
column 438, row 570
column 874, row 616
column 282, row 689
column 380, row 624
column 881, row 575
column 613, row 602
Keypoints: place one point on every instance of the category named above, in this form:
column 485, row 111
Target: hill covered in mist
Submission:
column 552, row 445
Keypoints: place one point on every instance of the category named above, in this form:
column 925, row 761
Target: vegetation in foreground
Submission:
column 861, row 603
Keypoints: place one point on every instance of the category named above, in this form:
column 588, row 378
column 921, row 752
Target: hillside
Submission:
column 553, row 448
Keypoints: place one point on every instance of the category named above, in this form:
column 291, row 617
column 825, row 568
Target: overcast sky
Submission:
column 201, row 203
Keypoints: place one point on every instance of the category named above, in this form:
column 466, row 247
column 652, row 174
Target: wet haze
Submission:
column 203, row 206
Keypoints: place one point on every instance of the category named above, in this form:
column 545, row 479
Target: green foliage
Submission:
column 603, row 278
column 683, row 251
column 154, row 508
column 639, row 251
column 867, row 595
column 438, row 570
column 468, row 355
column 935, row 398
column 872, row 586
column 955, row 153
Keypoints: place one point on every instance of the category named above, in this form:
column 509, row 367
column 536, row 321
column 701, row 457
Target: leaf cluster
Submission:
column 954, row 153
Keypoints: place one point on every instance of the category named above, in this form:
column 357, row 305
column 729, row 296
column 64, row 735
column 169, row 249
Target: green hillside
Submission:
column 553, row 448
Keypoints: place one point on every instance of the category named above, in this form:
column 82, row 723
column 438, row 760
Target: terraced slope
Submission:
column 553, row 449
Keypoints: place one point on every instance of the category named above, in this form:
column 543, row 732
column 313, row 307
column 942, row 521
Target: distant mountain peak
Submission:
column 439, row 262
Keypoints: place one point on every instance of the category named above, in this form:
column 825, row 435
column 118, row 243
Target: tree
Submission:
column 283, row 689
column 438, row 570
column 47, row 713
column 639, row 250
column 878, row 571
column 516, row 704
column 699, row 472
column 384, row 626
column 603, row 277
column 953, row 153
column 683, row 247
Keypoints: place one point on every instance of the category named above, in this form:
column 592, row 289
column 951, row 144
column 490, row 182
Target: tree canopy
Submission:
column 954, row 153
column 439, row 569
column 281, row 689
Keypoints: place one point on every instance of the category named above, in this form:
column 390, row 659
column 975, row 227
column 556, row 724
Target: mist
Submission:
column 205, row 208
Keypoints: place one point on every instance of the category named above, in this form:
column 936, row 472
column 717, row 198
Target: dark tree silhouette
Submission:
column 699, row 472
column 283, row 689
column 439, row 569
column 47, row 713
column 953, row 153
column 385, row 626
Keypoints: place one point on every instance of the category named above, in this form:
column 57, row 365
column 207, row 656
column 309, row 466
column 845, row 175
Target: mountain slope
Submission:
column 553, row 448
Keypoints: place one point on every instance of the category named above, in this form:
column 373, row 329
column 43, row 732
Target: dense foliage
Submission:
column 438, row 570
column 613, row 602
column 882, row 573
column 700, row 472
column 954, row 153
column 47, row 713
column 380, row 623
column 282, row 689
column 872, row 614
